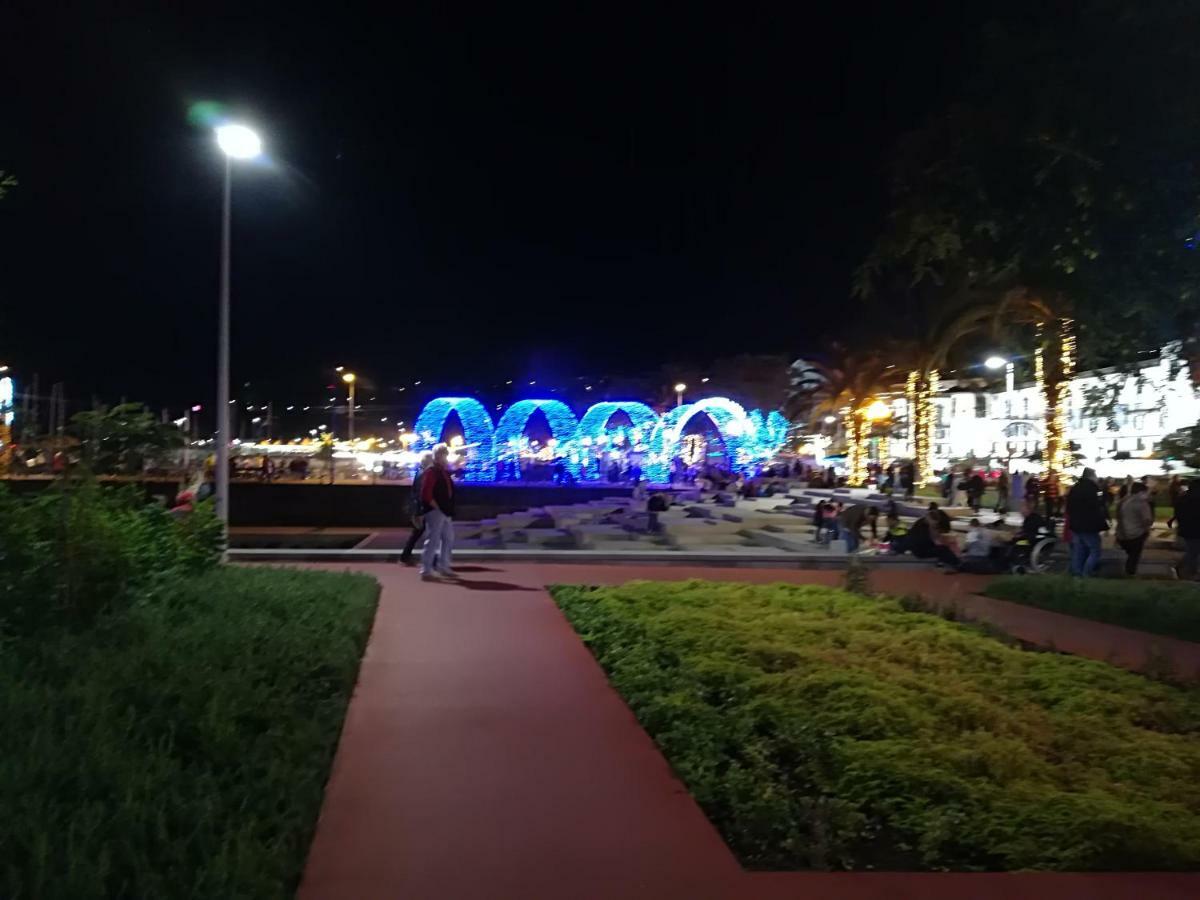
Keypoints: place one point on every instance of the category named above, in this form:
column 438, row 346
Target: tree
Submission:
column 123, row 438
column 1066, row 173
column 1183, row 445
column 844, row 384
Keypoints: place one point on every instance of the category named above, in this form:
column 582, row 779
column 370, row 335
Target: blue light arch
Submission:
column 478, row 433
column 778, row 427
column 643, row 420
column 734, row 426
column 563, row 426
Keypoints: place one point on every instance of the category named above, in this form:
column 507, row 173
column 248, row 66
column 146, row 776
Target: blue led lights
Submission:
column 736, row 430
column 478, row 433
column 510, row 433
column 584, row 445
column 594, row 435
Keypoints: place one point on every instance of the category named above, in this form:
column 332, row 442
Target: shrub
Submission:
column 78, row 550
column 823, row 729
column 1160, row 607
column 180, row 746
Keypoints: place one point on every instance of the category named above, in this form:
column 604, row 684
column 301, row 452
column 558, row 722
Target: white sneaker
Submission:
column 448, row 573
column 429, row 576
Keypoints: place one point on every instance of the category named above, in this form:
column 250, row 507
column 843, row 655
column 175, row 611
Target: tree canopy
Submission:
column 121, row 439
column 1066, row 171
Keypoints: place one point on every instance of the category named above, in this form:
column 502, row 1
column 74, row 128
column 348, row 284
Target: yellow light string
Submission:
column 912, row 399
column 1066, row 337
column 925, row 462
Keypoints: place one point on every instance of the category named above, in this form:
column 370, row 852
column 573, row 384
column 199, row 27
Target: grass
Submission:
column 178, row 748
column 821, row 729
column 1159, row 607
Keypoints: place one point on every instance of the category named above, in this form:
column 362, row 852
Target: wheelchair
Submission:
column 1036, row 556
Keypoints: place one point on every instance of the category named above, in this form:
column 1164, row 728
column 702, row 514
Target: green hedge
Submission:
column 179, row 746
column 80, row 550
column 821, row 729
column 1161, row 607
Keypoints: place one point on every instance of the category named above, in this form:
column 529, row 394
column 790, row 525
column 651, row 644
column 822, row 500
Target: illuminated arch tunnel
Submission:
column 560, row 418
column 748, row 437
column 478, row 433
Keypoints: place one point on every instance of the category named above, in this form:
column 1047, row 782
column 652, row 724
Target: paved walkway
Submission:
column 485, row 757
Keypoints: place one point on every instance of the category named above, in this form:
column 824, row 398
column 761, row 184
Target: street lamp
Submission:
column 236, row 142
column 996, row 363
column 679, row 389
column 349, row 378
column 877, row 410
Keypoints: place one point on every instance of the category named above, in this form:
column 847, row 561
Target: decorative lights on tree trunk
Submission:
column 920, row 391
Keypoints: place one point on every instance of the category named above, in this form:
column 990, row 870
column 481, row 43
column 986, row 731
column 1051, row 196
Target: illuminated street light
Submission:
column 679, row 389
column 995, row 362
column 877, row 410
column 236, row 142
column 829, row 420
column 350, row 378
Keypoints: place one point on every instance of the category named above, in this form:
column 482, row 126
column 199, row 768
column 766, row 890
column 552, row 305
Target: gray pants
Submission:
column 439, row 542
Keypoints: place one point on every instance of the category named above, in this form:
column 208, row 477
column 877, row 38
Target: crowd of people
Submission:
column 1079, row 517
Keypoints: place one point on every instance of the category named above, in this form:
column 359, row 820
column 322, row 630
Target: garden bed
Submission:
column 178, row 747
column 1170, row 608
column 822, row 729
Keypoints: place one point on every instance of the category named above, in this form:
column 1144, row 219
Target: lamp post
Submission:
column 679, row 389
column 350, row 378
column 237, row 142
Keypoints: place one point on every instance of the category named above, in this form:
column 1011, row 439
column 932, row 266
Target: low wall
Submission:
column 314, row 505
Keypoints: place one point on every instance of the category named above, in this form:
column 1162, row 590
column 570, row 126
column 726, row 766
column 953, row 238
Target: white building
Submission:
column 1005, row 426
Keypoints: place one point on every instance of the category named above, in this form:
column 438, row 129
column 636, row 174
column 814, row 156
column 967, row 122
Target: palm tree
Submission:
column 844, row 384
column 1054, row 363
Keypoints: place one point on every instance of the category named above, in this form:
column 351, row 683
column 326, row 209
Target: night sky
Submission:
column 456, row 197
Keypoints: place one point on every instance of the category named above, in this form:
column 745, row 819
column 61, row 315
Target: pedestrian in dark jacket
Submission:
column 975, row 489
column 1085, row 512
column 1187, row 526
column 1002, row 486
column 415, row 512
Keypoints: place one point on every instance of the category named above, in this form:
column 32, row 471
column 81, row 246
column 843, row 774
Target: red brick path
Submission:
column 485, row 757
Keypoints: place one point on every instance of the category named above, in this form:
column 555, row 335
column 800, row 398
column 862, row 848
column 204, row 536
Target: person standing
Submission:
column 975, row 489
column 960, row 483
column 1085, row 512
column 1002, row 486
column 909, row 478
column 437, row 508
column 1134, row 518
column 1174, row 492
column 1187, row 526
column 414, row 512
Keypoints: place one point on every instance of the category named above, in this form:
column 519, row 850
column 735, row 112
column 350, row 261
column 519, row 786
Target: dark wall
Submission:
column 376, row 506
column 322, row 505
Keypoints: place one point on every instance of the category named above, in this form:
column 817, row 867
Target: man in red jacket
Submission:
column 437, row 507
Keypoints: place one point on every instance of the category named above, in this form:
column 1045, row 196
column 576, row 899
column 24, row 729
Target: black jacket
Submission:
column 1085, row 509
column 1187, row 514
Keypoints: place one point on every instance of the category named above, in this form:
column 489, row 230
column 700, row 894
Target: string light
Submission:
column 511, row 428
column 733, row 424
column 477, row 428
column 594, row 425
